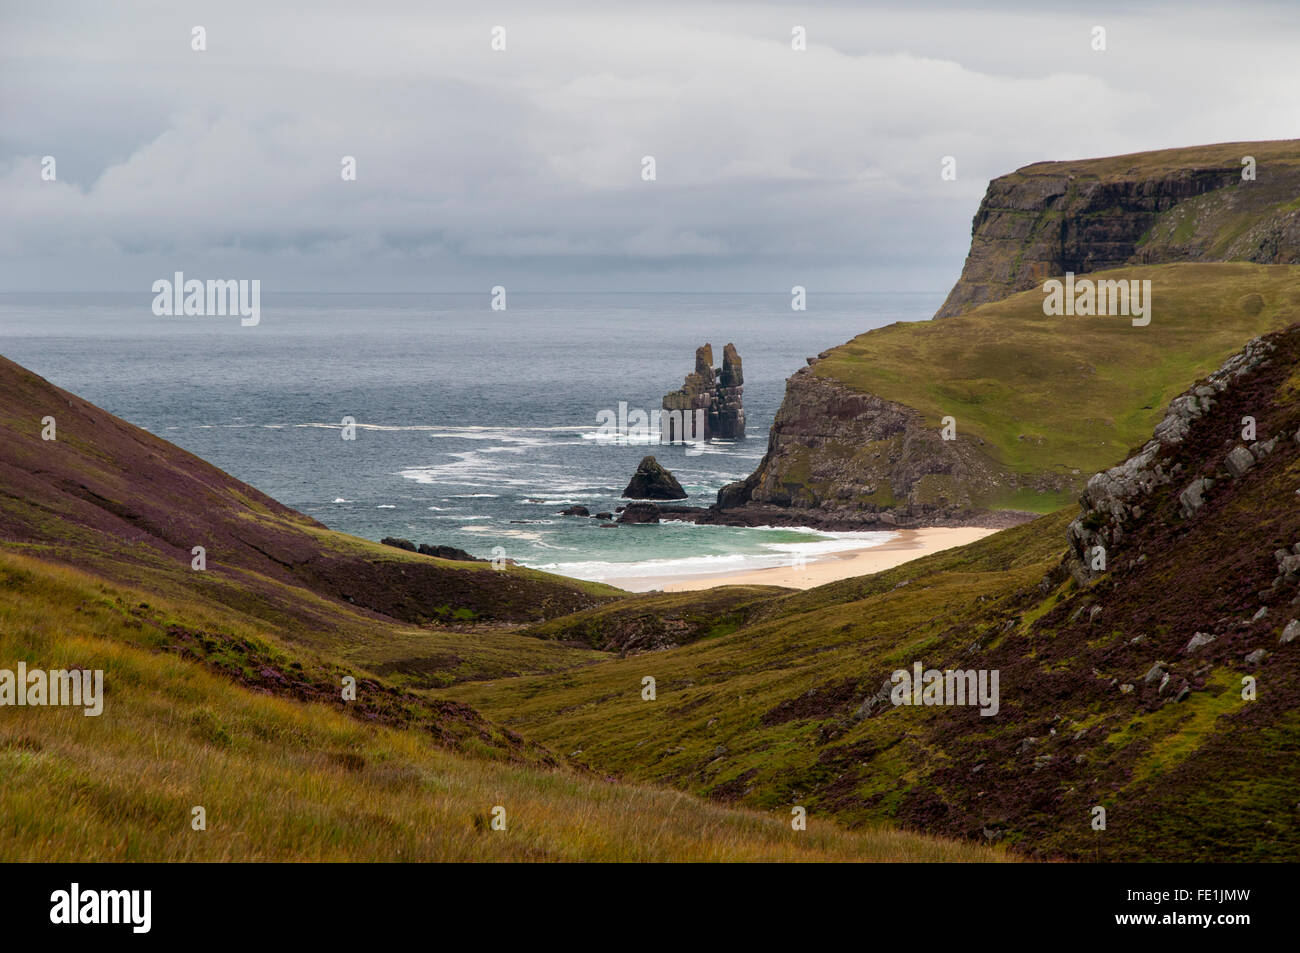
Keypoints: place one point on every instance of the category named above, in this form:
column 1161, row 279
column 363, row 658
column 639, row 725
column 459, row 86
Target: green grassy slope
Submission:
column 282, row 777
column 1056, row 395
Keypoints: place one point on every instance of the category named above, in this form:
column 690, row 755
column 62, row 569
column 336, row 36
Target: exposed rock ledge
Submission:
column 1113, row 499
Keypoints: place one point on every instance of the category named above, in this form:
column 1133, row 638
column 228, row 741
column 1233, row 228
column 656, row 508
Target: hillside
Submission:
column 793, row 707
column 1039, row 402
column 222, row 687
column 1171, row 205
column 112, row 499
column 286, row 778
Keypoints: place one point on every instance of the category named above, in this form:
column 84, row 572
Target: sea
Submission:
column 473, row 427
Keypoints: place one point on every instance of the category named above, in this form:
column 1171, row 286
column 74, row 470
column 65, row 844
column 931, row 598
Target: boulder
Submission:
column 399, row 542
column 1239, row 461
column 653, row 482
column 576, row 511
column 1193, row 498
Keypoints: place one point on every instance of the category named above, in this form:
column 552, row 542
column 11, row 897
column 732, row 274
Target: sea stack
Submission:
column 715, row 391
column 653, row 482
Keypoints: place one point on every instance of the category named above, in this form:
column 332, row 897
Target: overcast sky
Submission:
column 523, row 167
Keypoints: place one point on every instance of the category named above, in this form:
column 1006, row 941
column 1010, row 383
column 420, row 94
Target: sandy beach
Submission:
column 906, row 544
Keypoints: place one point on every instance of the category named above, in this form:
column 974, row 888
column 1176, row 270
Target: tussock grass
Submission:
column 287, row 780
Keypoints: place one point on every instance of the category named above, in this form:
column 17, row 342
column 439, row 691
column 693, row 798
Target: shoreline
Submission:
column 907, row 544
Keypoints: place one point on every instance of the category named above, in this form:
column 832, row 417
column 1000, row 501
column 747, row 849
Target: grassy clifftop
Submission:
column 1171, row 205
column 1039, row 402
column 1049, row 393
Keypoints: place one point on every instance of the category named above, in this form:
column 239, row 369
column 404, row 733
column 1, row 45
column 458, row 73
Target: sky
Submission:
column 523, row 167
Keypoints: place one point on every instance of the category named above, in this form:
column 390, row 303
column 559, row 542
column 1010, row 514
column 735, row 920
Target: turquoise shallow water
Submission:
column 474, row 427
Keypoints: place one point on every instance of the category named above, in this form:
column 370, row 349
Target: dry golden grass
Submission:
column 283, row 780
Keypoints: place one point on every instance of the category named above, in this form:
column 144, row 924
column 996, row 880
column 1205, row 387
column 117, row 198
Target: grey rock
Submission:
column 1154, row 673
column 1263, row 611
column 1239, row 460
column 1262, row 448
column 1290, row 632
column 1255, row 657
column 1197, row 641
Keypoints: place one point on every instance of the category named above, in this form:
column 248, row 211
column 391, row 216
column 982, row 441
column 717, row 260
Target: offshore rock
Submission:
column 652, row 481
column 714, row 392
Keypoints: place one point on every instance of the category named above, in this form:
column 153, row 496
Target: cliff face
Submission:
column 851, row 455
column 865, row 444
column 1151, row 208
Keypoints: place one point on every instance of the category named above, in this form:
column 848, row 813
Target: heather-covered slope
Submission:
column 107, row 496
column 1108, row 696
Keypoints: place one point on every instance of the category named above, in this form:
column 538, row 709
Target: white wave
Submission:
column 774, row 555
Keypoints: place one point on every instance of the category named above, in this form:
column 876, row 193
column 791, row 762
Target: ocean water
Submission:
column 474, row 427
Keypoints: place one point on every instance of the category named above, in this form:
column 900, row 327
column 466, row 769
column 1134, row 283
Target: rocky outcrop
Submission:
column 424, row 549
column 1148, row 208
column 652, row 481
column 1115, row 499
column 449, row 552
column 639, row 513
column 717, row 392
column 855, row 457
